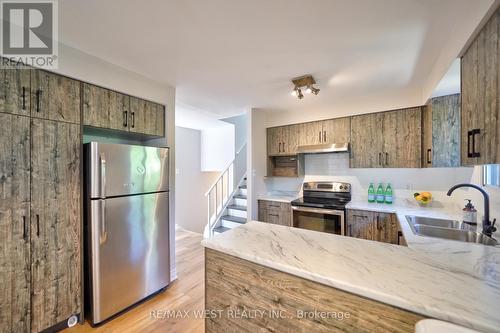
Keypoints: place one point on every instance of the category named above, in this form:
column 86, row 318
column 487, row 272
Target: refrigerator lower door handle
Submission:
column 103, row 230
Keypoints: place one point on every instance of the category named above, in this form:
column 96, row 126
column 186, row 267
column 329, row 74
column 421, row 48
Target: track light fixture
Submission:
column 304, row 81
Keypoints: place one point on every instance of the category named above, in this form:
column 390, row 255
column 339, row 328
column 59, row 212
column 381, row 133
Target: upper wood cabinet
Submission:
column 310, row 133
column 104, row 108
column 146, row 117
column 480, row 74
column 387, row 139
column 337, row 130
column 15, row 90
column 441, row 132
column 325, row 131
column 15, row 287
column 282, row 140
column 56, row 258
column 55, row 97
column 108, row 109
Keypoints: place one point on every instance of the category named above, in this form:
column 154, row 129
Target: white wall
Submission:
column 217, row 147
column 192, row 183
column 85, row 67
column 336, row 167
column 240, row 130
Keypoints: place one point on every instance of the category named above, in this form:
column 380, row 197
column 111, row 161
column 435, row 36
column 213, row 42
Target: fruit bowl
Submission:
column 423, row 198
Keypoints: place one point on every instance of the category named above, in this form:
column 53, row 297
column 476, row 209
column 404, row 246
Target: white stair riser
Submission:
column 240, row 202
column 236, row 212
column 230, row 224
column 216, row 232
column 243, row 191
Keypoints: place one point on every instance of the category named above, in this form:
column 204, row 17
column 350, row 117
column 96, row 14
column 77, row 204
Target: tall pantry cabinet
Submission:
column 40, row 200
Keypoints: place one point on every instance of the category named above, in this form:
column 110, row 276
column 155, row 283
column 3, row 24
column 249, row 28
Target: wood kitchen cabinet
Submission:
column 146, row 117
column 376, row 226
column 480, row 76
column 55, row 97
column 104, row 108
column 108, row 109
column 275, row 212
column 325, row 131
column 441, row 132
column 55, row 222
column 15, row 90
column 15, row 287
column 40, row 210
column 387, row 140
column 282, row 140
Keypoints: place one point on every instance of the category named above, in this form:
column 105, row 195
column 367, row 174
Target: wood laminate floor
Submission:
column 185, row 294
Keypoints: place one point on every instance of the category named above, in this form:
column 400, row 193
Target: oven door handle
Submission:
column 317, row 210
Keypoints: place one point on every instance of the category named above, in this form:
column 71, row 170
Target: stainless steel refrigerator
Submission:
column 127, row 228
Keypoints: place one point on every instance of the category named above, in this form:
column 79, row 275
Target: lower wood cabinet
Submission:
column 381, row 227
column 40, row 223
column 234, row 285
column 275, row 212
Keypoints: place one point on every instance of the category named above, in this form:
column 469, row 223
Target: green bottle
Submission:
column 371, row 193
column 388, row 194
column 380, row 193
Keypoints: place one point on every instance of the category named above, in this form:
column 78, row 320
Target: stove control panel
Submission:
column 327, row 186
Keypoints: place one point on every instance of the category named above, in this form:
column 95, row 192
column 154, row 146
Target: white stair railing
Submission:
column 222, row 191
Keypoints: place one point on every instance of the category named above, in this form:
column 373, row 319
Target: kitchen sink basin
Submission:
column 446, row 229
column 442, row 223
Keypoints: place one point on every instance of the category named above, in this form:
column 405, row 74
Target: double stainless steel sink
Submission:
column 446, row 229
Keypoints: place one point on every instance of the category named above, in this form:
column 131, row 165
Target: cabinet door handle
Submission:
column 469, row 134
column 400, row 234
column 283, row 147
column 275, row 215
column 378, row 223
column 360, row 216
column 132, row 115
column 125, row 120
column 379, row 158
column 473, row 134
column 324, row 136
column 38, row 97
column 279, row 147
column 24, row 98
column 386, row 158
column 349, row 230
column 429, row 156
column 37, row 225
column 319, row 133
column 25, row 232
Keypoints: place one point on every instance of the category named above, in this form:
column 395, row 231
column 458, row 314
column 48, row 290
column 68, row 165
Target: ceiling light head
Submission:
column 306, row 81
column 299, row 94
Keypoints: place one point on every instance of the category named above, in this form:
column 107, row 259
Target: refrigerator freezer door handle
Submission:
column 103, row 175
column 103, row 230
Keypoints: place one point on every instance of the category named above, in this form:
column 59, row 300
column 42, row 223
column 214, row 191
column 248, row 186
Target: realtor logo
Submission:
column 29, row 32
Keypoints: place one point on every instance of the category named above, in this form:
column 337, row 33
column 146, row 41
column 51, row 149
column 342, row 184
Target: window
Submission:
column 491, row 175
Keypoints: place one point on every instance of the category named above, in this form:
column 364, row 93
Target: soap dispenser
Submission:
column 469, row 216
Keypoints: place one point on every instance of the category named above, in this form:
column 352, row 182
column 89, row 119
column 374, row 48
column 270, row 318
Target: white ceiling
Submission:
column 450, row 83
column 226, row 56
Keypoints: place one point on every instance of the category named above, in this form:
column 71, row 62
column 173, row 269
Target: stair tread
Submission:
column 221, row 229
column 237, row 207
column 243, row 187
column 240, row 196
column 236, row 219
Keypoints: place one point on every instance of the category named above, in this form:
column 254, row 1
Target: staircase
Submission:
column 227, row 197
column 236, row 211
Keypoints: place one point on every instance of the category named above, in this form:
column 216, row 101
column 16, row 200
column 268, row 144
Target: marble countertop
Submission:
column 451, row 281
column 280, row 196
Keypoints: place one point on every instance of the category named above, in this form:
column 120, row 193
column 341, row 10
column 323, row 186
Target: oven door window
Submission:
column 317, row 221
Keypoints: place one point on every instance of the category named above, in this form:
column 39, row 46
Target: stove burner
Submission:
column 327, row 195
